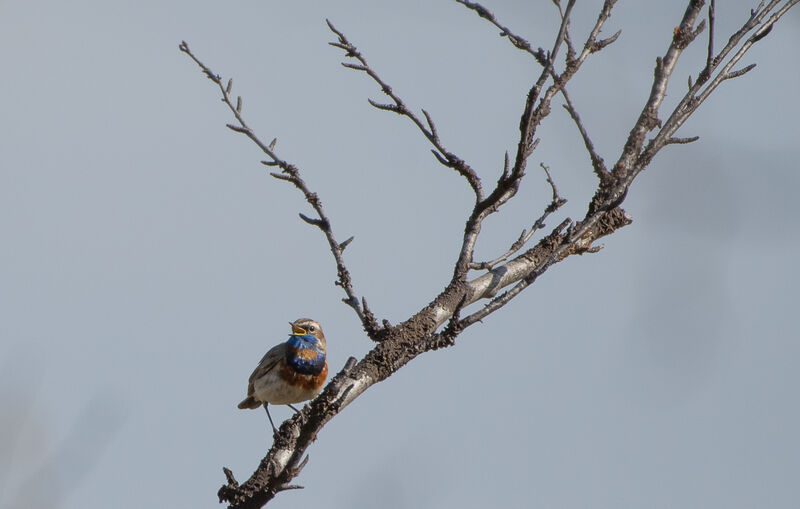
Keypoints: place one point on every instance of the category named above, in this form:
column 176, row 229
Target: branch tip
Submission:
column 431, row 125
column 386, row 107
column 681, row 141
column 232, row 483
column 602, row 43
column 763, row 32
column 439, row 158
column 281, row 176
column 346, row 243
column 287, row 487
column 237, row 128
column 356, row 67
column 301, row 465
column 349, row 364
column 741, row 72
column 312, row 221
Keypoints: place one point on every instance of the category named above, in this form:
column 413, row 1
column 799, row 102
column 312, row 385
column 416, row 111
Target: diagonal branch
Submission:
column 648, row 118
column 291, row 174
column 532, row 116
column 555, row 203
column 701, row 90
column 710, row 60
column 509, row 182
column 597, row 162
column 514, row 39
column 634, row 160
column 634, row 157
column 444, row 156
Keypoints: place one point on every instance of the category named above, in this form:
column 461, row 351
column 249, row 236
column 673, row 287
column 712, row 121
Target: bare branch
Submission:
column 762, row 33
column 346, row 243
column 674, row 141
column 449, row 159
column 597, row 162
column 506, row 296
column 236, row 128
column 514, row 39
column 567, row 40
column 386, row 107
column 314, row 222
column 602, row 43
column 698, row 93
column 532, row 116
column 557, row 200
column 290, row 173
column 648, row 119
column 526, row 235
column 593, row 45
column 527, row 267
column 756, row 15
column 505, row 167
column 710, row 53
column 740, row 72
column 431, row 125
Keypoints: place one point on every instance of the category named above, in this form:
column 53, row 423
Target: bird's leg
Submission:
column 293, row 408
column 274, row 429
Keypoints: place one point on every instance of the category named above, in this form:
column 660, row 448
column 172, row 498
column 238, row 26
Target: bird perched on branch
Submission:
column 291, row 372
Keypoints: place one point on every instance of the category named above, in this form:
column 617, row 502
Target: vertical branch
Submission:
column 648, row 119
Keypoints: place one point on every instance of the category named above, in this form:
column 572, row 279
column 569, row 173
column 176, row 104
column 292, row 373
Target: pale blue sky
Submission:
column 149, row 261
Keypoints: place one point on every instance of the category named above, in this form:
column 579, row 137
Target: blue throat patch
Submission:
column 303, row 355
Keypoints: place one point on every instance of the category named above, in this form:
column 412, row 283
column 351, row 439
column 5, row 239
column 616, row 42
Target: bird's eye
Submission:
column 311, row 328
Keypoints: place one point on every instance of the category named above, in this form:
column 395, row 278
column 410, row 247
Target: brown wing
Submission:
column 268, row 363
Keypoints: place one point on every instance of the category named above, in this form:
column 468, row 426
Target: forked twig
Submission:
column 555, row 203
column 428, row 129
column 291, row 173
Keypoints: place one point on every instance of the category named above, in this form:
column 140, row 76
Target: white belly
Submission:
column 271, row 388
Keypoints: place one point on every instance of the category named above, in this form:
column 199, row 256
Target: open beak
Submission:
column 298, row 330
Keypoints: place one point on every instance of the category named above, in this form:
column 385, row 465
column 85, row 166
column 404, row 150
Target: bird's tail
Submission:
column 249, row 402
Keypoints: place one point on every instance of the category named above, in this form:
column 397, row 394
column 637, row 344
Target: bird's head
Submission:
column 309, row 327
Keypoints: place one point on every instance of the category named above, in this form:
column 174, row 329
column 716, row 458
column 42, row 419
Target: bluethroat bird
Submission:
column 290, row 372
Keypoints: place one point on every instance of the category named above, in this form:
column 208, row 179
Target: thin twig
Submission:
column 675, row 141
column 291, row 174
column 515, row 39
column 555, row 203
column 532, row 116
column 597, row 162
column 443, row 155
column 710, row 56
column 698, row 93
column 648, row 118
column 740, row 72
column 567, row 40
column 506, row 296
